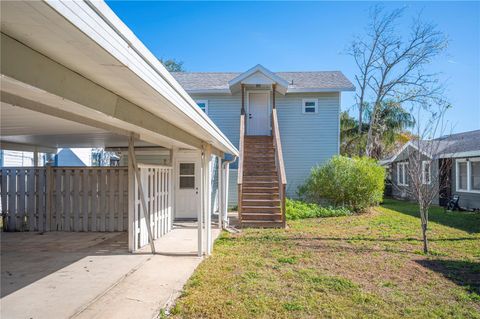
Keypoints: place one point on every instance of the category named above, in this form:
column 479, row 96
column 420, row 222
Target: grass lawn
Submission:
column 367, row 266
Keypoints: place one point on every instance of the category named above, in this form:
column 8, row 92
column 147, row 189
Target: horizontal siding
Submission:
column 307, row 139
column 405, row 192
column 467, row 200
column 16, row 158
column 224, row 110
column 233, row 188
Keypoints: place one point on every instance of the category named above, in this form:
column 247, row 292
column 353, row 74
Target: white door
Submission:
column 187, row 188
column 258, row 114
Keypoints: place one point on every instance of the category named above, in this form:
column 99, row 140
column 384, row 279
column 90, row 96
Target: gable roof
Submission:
column 311, row 81
column 464, row 144
column 272, row 77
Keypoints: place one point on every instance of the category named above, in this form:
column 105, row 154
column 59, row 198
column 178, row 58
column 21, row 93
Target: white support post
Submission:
column 134, row 165
column 172, row 187
column 220, row 193
column 225, row 195
column 200, row 208
column 208, row 199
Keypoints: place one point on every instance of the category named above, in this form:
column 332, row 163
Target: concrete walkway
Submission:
column 91, row 275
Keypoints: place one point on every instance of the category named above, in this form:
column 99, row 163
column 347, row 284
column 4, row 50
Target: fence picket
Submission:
column 12, row 200
column 85, row 199
column 67, row 204
column 70, row 198
column 76, row 200
column 31, row 199
column 58, row 199
column 112, row 184
column 41, row 193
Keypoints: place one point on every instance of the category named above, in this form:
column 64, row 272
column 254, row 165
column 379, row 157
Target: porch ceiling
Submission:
column 90, row 41
column 24, row 126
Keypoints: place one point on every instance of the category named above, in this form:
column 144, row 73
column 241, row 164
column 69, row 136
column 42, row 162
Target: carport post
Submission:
column 208, row 199
column 202, row 201
column 220, row 192
column 133, row 165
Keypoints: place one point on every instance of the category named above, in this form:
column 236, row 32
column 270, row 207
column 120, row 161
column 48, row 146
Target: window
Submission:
column 309, row 106
column 462, row 182
column 475, row 175
column 402, row 173
column 426, row 177
column 203, row 104
column 187, row 175
column 468, row 175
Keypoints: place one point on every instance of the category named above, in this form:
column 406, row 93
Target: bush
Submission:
column 355, row 183
column 296, row 209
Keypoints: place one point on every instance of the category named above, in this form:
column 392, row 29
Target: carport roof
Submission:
column 89, row 43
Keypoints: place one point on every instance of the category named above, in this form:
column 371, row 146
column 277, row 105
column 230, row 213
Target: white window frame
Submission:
column 424, row 181
column 469, row 175
column 206, row 104
column 404, row 173
column 309, row 100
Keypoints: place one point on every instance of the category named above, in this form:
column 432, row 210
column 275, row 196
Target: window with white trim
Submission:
column 426, row 172
column 468, row 175
column 402, row 173
column 475, row 176
column 309, row 106
column 203, row 104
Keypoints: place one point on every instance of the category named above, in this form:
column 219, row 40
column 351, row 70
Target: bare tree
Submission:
column 365, row 51
column 393, row 67
column 425, row 167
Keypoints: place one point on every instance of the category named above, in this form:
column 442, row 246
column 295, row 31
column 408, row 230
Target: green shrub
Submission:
column 355, row 183
column 296, row 209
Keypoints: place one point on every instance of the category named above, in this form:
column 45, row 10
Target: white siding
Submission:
column 17, row 158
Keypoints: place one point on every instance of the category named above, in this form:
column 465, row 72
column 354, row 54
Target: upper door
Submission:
column 258, row 113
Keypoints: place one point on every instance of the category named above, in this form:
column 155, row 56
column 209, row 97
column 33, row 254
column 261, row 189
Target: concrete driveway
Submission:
column 92, row 275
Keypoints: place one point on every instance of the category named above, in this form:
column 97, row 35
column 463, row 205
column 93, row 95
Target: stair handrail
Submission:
column 282, row 177
column 240, row 164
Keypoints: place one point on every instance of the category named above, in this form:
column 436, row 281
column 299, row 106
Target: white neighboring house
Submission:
column 64, row 157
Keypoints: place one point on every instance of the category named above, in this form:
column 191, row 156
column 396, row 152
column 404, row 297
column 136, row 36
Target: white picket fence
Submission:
column 64, row 198
column 158, row 190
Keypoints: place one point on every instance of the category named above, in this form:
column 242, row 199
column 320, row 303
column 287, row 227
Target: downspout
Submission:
column 224, row 208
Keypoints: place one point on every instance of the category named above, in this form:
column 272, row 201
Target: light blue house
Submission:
column 307, row 107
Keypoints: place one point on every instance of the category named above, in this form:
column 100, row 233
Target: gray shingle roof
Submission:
column 334, row 80
column 454, row 145
column 458, row 143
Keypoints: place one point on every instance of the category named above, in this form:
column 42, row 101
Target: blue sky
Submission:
column 304, row 36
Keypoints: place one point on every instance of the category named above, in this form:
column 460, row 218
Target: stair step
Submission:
column 260, row 178
column 259, row 184
column 271, row 167
column 260, row 196
column 264, row 173
column 262, row 216
column 262, row 189
column 260, row 209
column 260, row 202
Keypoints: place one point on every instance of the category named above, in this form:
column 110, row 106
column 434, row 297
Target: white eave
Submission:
column 258, row 75
column 92, row 41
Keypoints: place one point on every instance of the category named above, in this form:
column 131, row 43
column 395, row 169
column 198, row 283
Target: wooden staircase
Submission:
column 261, row 182
column 260, row 202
